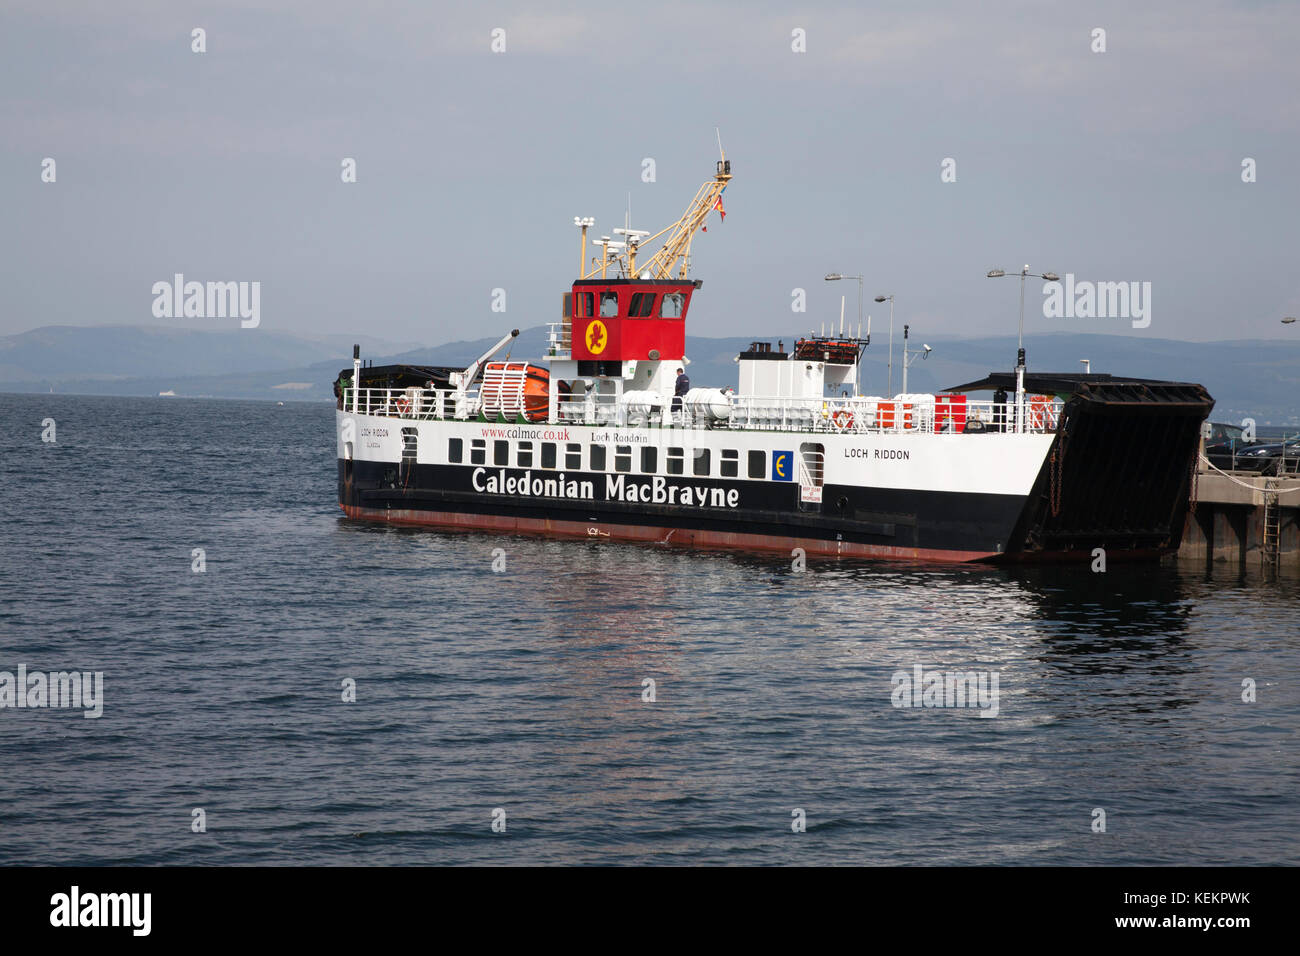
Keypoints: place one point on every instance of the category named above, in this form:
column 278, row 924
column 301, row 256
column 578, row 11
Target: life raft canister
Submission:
column 950, row 413
column 516, row 388
column 1039, row 406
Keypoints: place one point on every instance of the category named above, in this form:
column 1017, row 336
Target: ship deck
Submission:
column 917, row 415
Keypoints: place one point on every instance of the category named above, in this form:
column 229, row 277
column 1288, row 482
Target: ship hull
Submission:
column 893, row 517
column 704, row 539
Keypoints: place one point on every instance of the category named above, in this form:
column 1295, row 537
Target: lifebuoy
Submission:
column 843, row 419
column 403, row 404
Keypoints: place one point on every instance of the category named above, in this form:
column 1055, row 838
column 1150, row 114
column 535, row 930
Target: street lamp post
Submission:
column 882, row 298
column 1020, row 338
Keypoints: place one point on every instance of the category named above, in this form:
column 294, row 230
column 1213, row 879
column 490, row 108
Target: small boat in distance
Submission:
column 167, row 394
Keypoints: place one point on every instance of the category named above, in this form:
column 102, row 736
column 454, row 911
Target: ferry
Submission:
column 599, row 439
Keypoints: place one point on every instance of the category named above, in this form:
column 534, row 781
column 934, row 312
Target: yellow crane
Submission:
column 677, row 246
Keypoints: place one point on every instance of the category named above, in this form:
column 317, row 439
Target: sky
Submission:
column 1117, row 166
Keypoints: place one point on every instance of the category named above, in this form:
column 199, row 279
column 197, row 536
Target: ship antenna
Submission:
column 584, row 222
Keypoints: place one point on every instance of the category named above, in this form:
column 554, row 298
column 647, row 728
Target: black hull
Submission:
column 851, row 520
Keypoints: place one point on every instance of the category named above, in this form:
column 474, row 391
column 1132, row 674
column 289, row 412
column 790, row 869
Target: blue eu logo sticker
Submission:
column 783, row 466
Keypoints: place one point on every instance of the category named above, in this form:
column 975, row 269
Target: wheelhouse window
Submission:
column 478, row 451
column 729, row 465
column 584, row 304
column 676, row 461
column 525, row 454
column 622, row 457
column 649, row 460
column 573, row 456
column 548, row 454
column 455, row 450
column 702, row 466
column 598, row 458
column 758, row 464
column 642, row 305
column 609, row 305
column 674, row 303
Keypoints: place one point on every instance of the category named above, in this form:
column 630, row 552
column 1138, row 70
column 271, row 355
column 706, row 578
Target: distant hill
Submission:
column 1259, row 379
column 58, row 354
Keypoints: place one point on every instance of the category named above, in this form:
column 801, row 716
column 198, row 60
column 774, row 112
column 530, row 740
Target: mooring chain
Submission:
column 1054, row 494
column 1051, row 482
column 1055, row 465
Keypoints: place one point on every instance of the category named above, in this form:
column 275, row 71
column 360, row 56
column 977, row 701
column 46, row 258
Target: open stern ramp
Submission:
column 1120, row 472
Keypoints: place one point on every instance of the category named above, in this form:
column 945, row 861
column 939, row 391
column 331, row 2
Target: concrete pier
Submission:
column 1228, row 521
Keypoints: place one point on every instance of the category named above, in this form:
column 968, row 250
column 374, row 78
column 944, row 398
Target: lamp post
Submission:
column 882, row 298
column 924, row 353
column 1020, row 337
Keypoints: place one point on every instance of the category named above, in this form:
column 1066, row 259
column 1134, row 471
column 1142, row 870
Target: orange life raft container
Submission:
column 511, row 389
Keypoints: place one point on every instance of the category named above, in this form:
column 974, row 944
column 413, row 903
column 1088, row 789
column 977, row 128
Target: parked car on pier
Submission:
column 1224, row 445
column 1269, row 458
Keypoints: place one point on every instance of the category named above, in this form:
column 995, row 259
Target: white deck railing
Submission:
column 830, row 416
column 876, row 416
column 559, row 338
column 423, row 403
